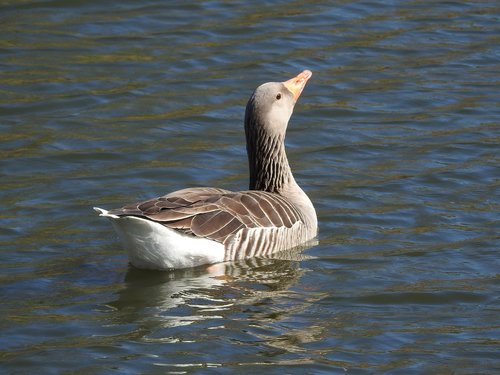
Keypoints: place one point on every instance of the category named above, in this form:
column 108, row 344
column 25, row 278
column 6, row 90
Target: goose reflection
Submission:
column 181, row 297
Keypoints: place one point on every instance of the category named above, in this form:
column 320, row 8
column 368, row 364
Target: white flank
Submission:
column 153, row 246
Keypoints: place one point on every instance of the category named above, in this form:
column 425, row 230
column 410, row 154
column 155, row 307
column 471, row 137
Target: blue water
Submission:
column 395, row 139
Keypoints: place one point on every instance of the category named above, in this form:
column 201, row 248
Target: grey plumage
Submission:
column 220, row 214
column 275, row 214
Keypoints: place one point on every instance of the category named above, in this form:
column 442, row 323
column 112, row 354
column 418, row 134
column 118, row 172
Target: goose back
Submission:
column 248, row 223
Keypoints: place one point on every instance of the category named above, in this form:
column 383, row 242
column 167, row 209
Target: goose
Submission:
column 205, row 225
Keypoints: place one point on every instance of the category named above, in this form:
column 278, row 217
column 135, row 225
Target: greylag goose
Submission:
column 197, row 226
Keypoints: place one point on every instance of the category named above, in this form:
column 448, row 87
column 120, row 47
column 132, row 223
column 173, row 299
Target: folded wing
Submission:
column 215, row 213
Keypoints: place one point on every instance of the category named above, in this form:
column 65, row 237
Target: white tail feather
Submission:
column 154, row 246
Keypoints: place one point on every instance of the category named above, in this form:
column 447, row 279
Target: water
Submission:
column 395, row 139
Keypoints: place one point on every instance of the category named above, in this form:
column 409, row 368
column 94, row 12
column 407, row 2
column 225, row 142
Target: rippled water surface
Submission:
column 395, row 139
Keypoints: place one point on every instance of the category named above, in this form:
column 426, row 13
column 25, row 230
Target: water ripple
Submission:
column 395, row 139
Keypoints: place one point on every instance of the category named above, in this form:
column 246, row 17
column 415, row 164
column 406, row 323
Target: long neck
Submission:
column 269, row 168
column 270, row 171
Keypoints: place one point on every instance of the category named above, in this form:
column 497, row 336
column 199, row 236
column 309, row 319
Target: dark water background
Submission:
column 396, row 140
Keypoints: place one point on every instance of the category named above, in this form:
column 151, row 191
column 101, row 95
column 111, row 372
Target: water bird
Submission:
column 206, row 225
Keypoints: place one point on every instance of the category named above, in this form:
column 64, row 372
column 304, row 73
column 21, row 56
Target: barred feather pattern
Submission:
column 248, row 223
column 258, row 242
column 269, row 169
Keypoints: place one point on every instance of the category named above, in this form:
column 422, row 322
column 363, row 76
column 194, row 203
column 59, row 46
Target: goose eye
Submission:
column 278, row 97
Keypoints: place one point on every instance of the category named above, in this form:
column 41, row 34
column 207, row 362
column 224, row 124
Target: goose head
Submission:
column 266, row 119
column 271, row 105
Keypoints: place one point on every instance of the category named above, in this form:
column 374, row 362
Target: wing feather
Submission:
column 216, row 213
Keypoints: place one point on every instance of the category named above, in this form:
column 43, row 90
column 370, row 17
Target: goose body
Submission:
column 197, row 226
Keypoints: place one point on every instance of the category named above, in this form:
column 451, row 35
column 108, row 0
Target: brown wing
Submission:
column 215, row 213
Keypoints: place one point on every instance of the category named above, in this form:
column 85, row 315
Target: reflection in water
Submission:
column 256, row 290
column 163, row 291
column 217, row 283
column 251, row 303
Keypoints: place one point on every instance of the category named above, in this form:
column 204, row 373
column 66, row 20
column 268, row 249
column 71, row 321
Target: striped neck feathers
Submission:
column 268, row 163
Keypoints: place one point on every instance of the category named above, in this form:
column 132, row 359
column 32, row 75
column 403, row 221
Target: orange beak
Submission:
column 297, row 84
